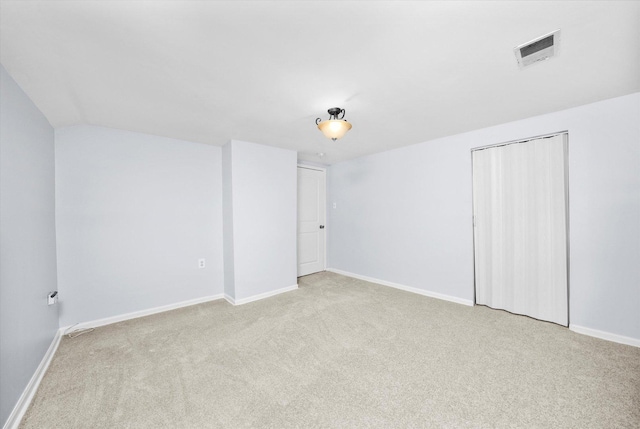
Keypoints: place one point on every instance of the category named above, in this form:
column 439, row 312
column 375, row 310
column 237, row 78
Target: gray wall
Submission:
column 28, row 243
column 264, row 197
column 134, row 214
column 404, row 215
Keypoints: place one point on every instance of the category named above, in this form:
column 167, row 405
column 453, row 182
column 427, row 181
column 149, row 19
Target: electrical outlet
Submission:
column 201, row 263
column 52, row 297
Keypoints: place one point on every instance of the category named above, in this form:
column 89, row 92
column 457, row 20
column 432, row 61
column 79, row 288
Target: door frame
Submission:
column 326, row 218
column 567, row 207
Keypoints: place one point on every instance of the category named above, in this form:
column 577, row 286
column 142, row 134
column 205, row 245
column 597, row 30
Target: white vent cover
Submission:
column 538, row 49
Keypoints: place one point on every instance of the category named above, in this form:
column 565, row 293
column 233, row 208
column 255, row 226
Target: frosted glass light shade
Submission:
column 334, row 128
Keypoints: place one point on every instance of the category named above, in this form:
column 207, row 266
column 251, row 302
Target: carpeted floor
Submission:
column 338, row 353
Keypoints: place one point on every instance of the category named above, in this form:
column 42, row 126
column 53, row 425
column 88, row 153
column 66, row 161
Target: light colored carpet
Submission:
column 338, row 353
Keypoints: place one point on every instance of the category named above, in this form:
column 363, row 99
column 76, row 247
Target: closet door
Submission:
column 520, row 228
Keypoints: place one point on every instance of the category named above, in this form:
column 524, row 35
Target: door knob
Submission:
column 321, row 226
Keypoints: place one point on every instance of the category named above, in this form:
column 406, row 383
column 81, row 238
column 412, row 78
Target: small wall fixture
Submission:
column 336, row 126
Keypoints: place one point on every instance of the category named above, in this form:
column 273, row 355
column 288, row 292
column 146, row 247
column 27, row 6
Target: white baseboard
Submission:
column 142, row 313
column 575, row 328
column 405, row 288
column 605, row 335
column 27, row 395
column 259, row 296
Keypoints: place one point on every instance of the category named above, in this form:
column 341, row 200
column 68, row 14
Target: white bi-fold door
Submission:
column 520, row 228
column 311, row 220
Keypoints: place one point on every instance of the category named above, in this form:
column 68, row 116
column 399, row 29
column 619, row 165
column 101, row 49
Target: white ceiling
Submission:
column 406, row 72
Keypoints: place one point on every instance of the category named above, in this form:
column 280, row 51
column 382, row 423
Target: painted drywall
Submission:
column 404, row 216
column 227, row 210
column 263, row 183
column 134, row 214
column 28, row 246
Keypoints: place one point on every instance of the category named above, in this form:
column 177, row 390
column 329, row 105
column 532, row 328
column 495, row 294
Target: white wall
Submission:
column 28, row 244
column 264, row 197
column 134, row 213
column 404, row 216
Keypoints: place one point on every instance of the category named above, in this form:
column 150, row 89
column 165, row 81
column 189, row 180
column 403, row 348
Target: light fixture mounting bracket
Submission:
column 335, row 111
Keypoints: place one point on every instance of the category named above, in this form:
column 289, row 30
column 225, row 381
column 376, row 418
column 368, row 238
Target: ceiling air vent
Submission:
column 539, row 49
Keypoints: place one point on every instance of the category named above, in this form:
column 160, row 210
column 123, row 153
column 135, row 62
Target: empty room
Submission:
column 319, row 214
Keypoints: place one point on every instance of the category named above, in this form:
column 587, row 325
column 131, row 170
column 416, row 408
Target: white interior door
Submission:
column 520, row 228
column 311, row 220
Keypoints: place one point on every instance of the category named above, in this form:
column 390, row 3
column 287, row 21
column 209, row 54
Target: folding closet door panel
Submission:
column 520, row 228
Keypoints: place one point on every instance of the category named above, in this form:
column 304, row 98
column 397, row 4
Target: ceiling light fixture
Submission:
column 336, row 126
